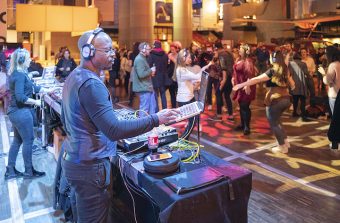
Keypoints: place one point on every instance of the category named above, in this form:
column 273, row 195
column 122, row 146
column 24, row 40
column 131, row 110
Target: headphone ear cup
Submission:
column 87, row 51
column 21, row 60
column 144, row 48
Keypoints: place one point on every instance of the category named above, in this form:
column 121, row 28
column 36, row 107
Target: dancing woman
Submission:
column 277, row 99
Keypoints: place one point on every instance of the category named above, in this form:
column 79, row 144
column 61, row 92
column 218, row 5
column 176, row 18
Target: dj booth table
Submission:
column 225, row 201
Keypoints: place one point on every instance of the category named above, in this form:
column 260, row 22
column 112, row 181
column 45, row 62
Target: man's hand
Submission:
column 167, row 115
column 37, row 103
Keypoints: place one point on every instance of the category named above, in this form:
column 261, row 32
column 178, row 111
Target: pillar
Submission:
column 141, row 24
column 124, row 24
column 183, row 21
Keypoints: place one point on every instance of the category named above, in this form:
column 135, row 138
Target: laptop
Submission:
column 48, row 72
column 188, row 181
column 195, row 108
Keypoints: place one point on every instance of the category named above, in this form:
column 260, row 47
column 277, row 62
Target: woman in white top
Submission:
column 331, row 77
column 187, row 78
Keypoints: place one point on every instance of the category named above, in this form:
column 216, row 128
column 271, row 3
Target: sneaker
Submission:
column 246, row 131
column 230, row 118
column 11, row 173
column 287, row 144
column 209, row 107
column 216, row 118
column 239, row 128
column 280, row 149
column 304, row 119
column 31, row 173
column 334, row 146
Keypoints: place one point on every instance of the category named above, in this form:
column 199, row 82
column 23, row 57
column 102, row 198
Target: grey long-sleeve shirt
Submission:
column 89, row 120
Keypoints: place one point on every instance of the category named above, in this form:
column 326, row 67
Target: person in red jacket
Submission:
column 244, row 69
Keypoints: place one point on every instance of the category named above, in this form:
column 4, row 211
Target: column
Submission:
column 124, row 24
column 183, row 21
column 141, row 23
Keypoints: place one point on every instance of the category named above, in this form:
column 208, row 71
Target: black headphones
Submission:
column 21, row 56
column 88, row 50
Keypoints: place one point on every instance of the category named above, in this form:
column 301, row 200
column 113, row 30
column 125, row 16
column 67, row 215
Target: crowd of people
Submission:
column 291, row 76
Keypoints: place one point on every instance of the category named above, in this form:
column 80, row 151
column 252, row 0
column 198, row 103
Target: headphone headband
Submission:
column 94, row 34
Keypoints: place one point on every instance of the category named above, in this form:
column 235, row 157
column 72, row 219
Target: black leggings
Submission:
column 245, row 114
column 192, row 121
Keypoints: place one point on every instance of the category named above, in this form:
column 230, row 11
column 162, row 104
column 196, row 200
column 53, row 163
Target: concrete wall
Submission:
column 266, row 31
column 273, row 10
column 322, row 6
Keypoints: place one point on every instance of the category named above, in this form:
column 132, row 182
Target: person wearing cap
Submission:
column 160, row 80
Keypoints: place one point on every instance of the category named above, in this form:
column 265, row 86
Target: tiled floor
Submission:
column 301, row 186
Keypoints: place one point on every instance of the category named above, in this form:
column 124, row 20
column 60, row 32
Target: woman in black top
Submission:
column 65, row 66
column 21, row 115
column 277, row 99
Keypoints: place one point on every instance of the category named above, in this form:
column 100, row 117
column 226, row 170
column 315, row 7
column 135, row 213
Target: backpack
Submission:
column 314, row 111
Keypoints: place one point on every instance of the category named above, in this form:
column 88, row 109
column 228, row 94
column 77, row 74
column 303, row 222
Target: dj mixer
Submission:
column 166, row 134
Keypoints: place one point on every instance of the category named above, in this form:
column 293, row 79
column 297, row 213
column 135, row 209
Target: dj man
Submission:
column 92, row 127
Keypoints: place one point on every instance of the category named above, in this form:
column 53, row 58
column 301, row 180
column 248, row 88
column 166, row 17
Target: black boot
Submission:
column 246, row 131
column 30, row 173
column 11, row 173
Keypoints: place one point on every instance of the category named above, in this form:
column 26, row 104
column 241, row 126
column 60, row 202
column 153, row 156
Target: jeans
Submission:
column 22, row 122
column 92, row 186
column 173, row 93
column 160, row 91
column 274, row 113
column 192, row 121
column 126, row 82
column 131, row 95
column 209, row 90
column 310, row 86
column 245, row 114
column 331, row 104
column 226, row 91
column 302, row 99
column 147, row 103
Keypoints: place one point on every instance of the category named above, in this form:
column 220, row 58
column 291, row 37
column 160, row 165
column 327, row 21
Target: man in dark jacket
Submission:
column 160, row 80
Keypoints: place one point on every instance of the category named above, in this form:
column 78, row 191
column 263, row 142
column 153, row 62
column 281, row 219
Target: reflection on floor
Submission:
column 301, row 186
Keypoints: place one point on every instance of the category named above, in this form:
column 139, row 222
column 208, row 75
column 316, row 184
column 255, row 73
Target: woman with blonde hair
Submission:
column 188, row 77
column 277, row 99
column 20, row 114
